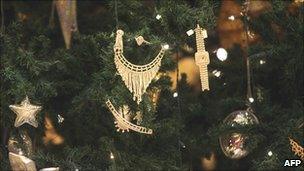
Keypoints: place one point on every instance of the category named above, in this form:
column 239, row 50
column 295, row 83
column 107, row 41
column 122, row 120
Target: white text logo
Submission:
column 290, row 163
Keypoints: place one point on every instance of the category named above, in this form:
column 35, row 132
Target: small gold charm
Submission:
column 140, row 40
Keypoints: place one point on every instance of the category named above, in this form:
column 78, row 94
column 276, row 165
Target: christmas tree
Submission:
column 262, row 75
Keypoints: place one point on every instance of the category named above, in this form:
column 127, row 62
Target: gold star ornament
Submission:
column 26, row 113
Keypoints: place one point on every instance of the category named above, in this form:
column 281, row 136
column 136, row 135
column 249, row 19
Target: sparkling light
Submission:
column 231, row 17
column 111, row 156
column 175, row 94
column 221, row 54
column 262, row 62
column 216, row 73
column 60, row 118
column 269, row 153
column 190, row 32
column 251, row 99
column 166, row 46
column 158, row 17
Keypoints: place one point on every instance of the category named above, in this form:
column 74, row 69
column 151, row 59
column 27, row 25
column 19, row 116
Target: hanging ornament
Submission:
column 297, row 149
column 20, row 162
column 20, row 149
column 20, row 144
column 202, row 56
column 136, row 77
column 123, row 124
column 26, row 113
column 67, row 16
column 234, row 145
